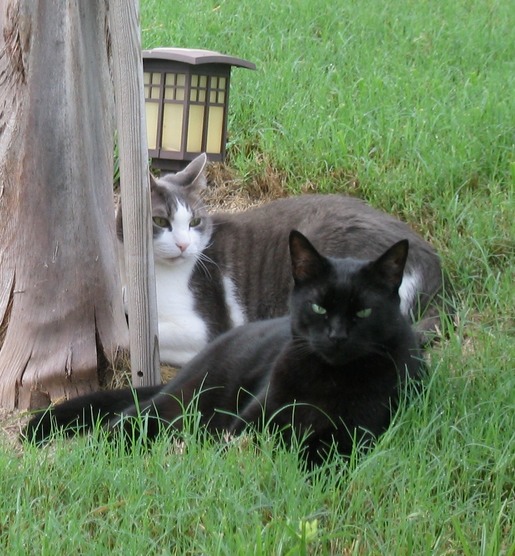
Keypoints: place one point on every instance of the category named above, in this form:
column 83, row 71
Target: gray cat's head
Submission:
column 180, row 223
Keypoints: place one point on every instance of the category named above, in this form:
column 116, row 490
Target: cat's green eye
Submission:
column 364, row 313
column 194, row 222
column 319, row 310
column 161, row 221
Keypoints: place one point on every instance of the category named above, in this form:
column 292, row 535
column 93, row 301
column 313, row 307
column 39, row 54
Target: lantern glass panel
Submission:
column 172, row 126
column 146, row 81
column 152, row 112
column 214, row 129
column 179, row 94
column 175, row 86
column 154, row 86
column 198, row 88
column 195, row 128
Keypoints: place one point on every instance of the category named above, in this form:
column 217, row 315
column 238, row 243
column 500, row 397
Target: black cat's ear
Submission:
column 390, row 265
column 306, row 262
column 193, row 176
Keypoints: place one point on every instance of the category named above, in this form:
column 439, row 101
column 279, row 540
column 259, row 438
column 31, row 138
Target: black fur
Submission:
column 331, row 371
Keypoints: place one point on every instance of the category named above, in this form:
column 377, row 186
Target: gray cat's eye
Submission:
column 194, row 222
column 364, row 313
column 161, row 221
column 318, row 309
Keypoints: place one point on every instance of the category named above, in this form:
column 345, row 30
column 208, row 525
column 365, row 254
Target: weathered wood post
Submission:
column 135, row 191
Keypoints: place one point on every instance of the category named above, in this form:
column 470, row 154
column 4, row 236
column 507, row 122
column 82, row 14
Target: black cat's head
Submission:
column 345, row 309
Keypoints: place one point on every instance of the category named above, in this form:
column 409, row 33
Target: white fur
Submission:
column 410, row 285
column 182, row 333
column 236, row 311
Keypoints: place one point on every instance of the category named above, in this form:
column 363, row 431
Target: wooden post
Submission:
column 135, row 191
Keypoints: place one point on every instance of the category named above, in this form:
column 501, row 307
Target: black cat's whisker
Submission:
column 302, row 348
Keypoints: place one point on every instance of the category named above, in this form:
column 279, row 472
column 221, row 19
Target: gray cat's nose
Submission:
column 182, row 246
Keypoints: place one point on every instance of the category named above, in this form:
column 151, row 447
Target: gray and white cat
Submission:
column 217, row 271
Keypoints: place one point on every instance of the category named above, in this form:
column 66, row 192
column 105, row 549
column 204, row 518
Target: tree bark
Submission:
column 61, row 310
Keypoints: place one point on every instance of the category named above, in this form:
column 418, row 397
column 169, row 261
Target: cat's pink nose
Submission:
column 182, row 246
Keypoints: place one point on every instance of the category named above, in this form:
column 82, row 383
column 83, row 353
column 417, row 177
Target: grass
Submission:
column 411, row 106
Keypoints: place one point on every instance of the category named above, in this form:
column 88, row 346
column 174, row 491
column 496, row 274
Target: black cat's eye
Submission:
column 318, row 309
column 194, row 222
column 364, row 313
column 161, row 221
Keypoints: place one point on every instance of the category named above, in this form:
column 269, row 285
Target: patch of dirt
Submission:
column 11, row 425
column 229, row 192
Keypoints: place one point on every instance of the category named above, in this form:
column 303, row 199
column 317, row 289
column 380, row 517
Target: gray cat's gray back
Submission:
column 251, row 247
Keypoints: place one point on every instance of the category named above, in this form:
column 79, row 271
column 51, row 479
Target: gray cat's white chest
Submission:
column 182, row 332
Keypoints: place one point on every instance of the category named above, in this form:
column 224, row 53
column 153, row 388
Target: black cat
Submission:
column 330, row 372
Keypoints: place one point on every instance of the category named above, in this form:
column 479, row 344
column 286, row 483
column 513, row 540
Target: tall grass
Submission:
column 410, row 105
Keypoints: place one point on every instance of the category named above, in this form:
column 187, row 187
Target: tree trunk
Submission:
column 60, row 296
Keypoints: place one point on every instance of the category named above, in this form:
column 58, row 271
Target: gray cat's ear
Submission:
column 156, row 190
column 390, row 265
column 193, row 176
column 306, row 262
column 153, row 181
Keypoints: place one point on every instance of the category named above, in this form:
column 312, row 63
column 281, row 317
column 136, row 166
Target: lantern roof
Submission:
column 196, row 57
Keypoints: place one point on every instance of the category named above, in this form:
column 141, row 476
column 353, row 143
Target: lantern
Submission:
column 186, row 102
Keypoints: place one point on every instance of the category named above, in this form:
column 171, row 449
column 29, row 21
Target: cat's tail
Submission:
column 82, row 414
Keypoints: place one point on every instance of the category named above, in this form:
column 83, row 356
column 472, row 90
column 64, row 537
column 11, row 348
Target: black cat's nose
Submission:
column 337, row 336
